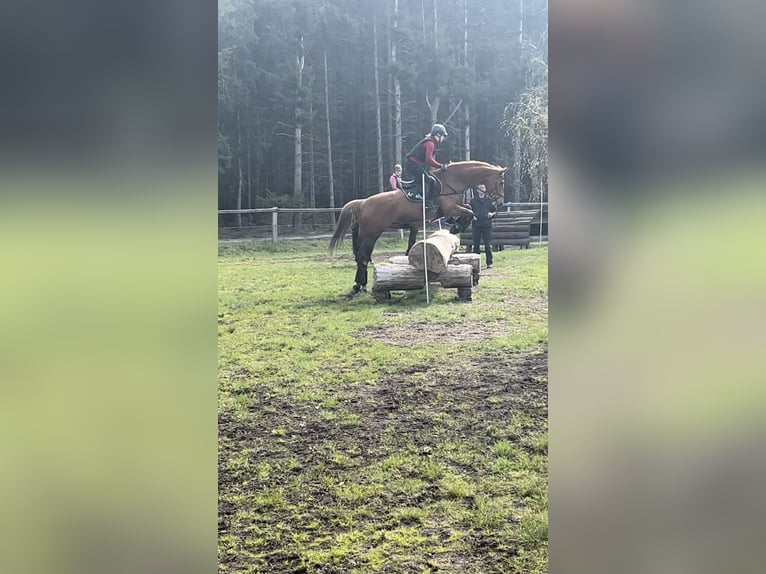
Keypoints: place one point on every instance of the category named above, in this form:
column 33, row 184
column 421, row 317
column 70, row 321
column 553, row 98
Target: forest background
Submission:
column 317, row 99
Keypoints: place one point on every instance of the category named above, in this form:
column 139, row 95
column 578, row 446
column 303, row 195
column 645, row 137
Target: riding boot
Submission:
column 432, row 202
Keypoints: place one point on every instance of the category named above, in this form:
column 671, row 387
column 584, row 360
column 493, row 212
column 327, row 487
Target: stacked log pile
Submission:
column 508, row 228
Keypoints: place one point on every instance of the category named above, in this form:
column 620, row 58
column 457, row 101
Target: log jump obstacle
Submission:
column 472, row 259
column 437, row 253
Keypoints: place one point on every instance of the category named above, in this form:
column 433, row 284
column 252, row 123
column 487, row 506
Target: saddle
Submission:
column 413, row 193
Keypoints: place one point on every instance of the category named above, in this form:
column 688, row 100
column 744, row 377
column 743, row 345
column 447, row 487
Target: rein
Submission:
column 454, row 191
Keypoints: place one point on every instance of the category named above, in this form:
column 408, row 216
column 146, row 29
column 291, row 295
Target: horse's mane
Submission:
column 475, row 163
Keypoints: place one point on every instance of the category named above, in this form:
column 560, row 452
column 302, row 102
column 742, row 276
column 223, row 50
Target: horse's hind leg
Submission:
column 413, row 237
column 363, row 258
column 355, row 240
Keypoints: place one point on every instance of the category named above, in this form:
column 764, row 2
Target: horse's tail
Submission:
column 348, row 216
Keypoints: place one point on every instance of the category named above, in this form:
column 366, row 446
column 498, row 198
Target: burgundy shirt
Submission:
column 429, row 146
column 393, row 182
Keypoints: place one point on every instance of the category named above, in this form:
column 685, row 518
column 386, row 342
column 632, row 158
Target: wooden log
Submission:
column 471, row 259
column 455, row 276
column 519, row 214
column 512, row 226
column 438, row 250
column 457, row 258
column 502, row 232
column 380, row 295
column 510, row 234
column 394, row 277
column 388, row 277
column 399, row 260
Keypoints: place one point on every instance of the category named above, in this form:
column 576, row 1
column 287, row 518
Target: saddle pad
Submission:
column 413, row 195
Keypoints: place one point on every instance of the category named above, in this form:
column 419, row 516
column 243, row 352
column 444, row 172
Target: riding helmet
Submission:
column 439, row 129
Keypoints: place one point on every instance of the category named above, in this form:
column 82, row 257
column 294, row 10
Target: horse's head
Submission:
column 496, row 184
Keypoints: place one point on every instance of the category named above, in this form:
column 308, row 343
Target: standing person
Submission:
column 420, row 160
column 395, row 181
column 484, row 209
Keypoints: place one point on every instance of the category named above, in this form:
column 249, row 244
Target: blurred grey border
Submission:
column 108, row 120
column 95, row 85
column 657, row 285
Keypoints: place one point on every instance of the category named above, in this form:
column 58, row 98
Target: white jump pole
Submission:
column 541, row 210
column 425, row 258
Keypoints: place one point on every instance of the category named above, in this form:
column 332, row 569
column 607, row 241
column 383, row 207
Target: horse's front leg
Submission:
column 461, row 225
column 458, row 211
column 360, row 281
column 463, row 215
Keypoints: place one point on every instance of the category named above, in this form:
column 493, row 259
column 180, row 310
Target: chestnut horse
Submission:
column 367, row 219
column 412, row 227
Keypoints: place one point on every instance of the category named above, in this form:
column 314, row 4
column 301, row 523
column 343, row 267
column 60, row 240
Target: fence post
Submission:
column 274, row 224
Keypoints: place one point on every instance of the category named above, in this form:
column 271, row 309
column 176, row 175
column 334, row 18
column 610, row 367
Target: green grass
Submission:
column 347, row 444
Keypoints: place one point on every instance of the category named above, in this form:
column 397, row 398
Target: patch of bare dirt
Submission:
column 458, row 398
column 404, row 335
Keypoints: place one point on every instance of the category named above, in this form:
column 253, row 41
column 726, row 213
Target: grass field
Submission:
column 357, row 437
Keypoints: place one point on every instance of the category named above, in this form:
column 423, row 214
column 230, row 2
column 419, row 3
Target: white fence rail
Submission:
column 294, row 221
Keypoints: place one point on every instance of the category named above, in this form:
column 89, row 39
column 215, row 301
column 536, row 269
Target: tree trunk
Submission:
column 389, row 107
column 433, row 107
column 312, row 179
column 240, row 187
column 249, row 176
column 329, row 139
column 397, row 92
column 516, row 169
column 516, row 143
column 378, row 128
column 298, row 171
column 467, row 132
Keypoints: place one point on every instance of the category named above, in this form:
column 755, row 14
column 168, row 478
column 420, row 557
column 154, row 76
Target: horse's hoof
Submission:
column 356, row 288
column 363, row 289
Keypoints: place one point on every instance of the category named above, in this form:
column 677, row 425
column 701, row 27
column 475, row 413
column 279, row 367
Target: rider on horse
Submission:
column 421, row 159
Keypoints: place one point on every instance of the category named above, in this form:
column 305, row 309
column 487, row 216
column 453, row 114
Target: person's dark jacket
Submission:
column 481, row 208
column 423, row 153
